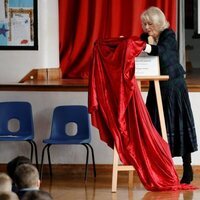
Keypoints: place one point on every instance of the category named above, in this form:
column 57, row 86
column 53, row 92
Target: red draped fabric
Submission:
column 82, row 22
column 118, row 111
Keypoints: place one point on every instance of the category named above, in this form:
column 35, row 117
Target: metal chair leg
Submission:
column 49, row 158
column 29, row 141
column 36, row 153
column 86, row 164
column 93, row 159
column 42, row 160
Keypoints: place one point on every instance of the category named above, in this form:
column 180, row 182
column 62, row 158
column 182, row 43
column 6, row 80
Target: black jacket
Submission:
column 167, row 51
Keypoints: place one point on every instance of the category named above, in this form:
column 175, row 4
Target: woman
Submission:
column 179, row 120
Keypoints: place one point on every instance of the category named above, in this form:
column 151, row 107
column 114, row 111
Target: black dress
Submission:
column 176, row 104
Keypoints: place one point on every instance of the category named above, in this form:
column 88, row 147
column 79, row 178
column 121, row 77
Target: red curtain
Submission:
column 82, row 22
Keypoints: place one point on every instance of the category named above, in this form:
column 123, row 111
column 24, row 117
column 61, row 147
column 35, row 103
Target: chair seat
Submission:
column 14, row 138
column 56, row 141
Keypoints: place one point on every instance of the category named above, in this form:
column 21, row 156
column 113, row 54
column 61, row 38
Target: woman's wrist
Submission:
column 147, row 49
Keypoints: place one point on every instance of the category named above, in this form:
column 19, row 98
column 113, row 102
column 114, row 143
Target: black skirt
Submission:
column 178, row 115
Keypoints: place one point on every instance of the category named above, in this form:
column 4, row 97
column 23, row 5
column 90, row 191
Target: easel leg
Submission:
column 115, row 170
column 130, row 179
column 160, row 110
column 139, row 84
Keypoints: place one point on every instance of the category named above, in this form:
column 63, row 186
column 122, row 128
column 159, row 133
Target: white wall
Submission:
column 43, row 104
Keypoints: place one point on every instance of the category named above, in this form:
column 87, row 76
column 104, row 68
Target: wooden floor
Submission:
column 64, row 186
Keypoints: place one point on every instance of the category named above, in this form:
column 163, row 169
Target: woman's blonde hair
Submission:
column 156, row 17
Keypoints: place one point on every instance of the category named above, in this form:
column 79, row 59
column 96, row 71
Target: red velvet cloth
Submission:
column 118, row 111
column 81, row 22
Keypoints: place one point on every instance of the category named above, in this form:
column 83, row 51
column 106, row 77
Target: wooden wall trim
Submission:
column 102, row 169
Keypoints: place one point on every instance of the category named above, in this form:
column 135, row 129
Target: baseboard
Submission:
column 102, row 169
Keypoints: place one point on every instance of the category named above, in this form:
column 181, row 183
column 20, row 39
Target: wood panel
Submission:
column 42, row 74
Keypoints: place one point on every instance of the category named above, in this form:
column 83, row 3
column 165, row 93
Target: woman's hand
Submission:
column 151, row 40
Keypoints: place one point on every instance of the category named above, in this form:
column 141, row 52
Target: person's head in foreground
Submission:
column 27, row 176
column 14, row 163
column 37, row 195
column 8, row 196
column 5, row 183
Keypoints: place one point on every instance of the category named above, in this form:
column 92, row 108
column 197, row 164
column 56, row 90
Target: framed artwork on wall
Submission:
column 18, row 25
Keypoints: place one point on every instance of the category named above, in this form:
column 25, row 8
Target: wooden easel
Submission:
column 130, row 168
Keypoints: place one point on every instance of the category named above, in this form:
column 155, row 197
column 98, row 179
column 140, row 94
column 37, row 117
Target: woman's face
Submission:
column 151, row 29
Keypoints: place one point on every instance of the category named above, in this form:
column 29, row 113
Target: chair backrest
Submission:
column 75, row 117
column 16, row 119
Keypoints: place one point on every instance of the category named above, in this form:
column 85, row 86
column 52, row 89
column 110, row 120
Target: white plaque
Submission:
column 146, row 65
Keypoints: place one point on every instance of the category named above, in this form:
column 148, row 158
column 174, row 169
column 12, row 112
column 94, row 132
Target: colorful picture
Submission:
column 18, row 24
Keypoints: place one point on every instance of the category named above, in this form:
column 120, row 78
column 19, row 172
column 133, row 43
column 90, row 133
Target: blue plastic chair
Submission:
column 16, row 124
column 62, row 117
